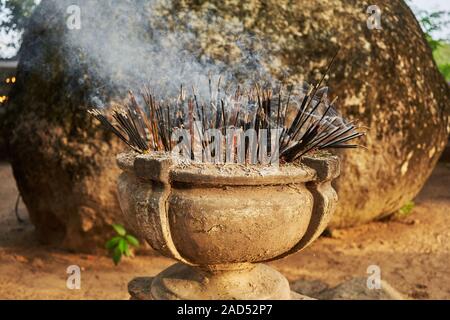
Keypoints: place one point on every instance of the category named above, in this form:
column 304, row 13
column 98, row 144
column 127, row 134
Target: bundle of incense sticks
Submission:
column 304, row 118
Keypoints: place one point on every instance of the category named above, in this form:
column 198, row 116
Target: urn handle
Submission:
column 324, row 199
column 144, row 188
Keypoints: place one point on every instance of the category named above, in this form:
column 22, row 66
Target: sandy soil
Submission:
column 413, row 253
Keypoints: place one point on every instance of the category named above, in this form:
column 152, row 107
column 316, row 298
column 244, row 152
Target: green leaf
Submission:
column 406, row 209
column 112, row 243
column 127, row 251
column 117, row 255
column 132, row 240
column 122, row 245
column 119, row 229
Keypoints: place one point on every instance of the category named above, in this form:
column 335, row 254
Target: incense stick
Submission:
column 151, row 128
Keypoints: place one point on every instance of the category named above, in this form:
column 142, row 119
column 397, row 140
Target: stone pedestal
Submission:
column 140, row 289
column 223, row 225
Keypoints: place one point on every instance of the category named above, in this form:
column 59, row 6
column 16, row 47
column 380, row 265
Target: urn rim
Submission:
column 151, row 166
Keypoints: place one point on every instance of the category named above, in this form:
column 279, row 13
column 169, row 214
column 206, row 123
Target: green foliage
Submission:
column 14, row 18
column 432, row 22
column 19, row 11
column 120, row 245
column 434, row 44
column 119, row 229
column 406, row 209
column 445, row 70
column 442, row 58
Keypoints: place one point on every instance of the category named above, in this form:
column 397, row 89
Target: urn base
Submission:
column 231, row 282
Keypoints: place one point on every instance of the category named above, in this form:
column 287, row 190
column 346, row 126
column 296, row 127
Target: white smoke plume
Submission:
column 123, row 45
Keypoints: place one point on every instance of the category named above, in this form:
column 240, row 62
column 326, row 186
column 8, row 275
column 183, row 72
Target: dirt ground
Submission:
column 413, row 253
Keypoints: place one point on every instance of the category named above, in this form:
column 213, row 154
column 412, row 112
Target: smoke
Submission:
column 123, row 45
column 119, row 45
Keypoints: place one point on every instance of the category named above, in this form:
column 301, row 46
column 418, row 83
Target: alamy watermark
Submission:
column 73, row 21
column 374, row 278
column 74, row 279
column 374, row 19
column 231, row 145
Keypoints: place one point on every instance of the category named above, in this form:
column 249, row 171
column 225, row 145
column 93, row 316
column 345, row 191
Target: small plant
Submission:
column 406, row 209
column 121, row 244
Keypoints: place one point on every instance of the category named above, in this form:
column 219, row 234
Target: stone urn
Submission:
column 223, row 222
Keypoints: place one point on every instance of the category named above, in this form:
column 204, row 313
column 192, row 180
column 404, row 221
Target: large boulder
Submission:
column 64, row 165
column 386, row 78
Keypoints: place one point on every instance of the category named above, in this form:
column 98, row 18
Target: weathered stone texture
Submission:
column 64, row 165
